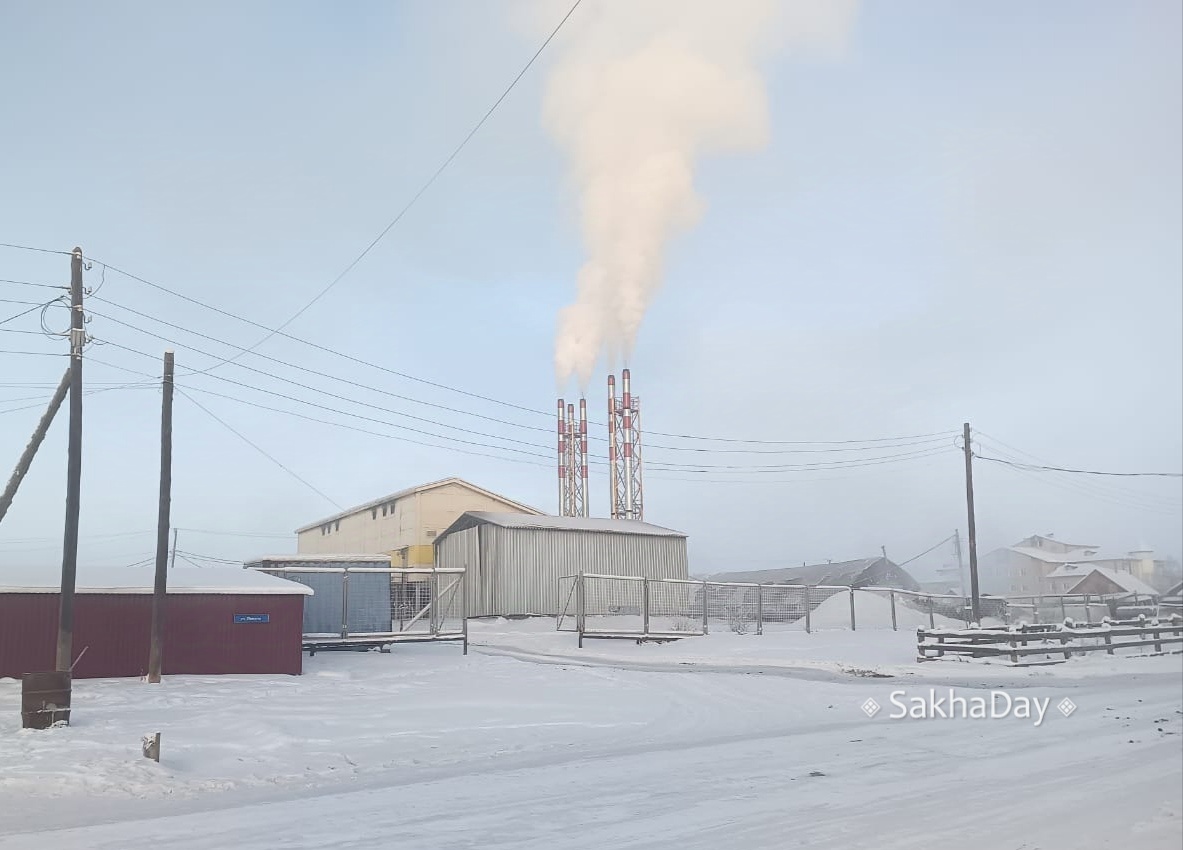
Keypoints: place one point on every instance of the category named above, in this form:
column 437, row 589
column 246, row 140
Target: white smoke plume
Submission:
column 644, row 88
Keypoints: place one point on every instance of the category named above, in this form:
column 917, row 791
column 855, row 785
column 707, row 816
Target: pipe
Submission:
column 583, row 477
column 627, row 427
column 562, row 461
column 612, row 485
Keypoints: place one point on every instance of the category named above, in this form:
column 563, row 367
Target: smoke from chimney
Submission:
column 644, row 89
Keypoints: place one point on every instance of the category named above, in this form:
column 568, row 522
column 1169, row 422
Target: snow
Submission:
column 219, row 580
column 529, row 742
column 871, row 611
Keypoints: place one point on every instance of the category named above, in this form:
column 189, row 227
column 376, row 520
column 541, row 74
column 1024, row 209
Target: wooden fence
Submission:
column 1017, row 643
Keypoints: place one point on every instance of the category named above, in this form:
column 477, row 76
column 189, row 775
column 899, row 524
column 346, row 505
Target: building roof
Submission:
column 1059, row 542
column 216, row 580
column 843, row 573
column 306, row 559
column 470, row 519
column 411, row 491
column 1127, row 582
column 1064, row 557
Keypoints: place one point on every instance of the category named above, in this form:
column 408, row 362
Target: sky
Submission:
column 960, row 213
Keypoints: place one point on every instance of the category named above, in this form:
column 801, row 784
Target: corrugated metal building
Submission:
column 513, row 562
column 216, row 621
column 367, row 608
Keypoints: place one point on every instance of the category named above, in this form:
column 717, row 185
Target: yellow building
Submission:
column 403, row 524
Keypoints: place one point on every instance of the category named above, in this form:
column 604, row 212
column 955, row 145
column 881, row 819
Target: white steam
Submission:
column 645, row 88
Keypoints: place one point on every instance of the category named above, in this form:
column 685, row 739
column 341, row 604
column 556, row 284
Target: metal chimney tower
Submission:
column 624, row 449
column 572, row 454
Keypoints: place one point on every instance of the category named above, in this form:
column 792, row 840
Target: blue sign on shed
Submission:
column 252, row 618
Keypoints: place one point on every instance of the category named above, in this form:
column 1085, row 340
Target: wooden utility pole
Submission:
column 73, row 468
column 160, row 589
column 26, row 459
column 960, row 561
column 975, row 600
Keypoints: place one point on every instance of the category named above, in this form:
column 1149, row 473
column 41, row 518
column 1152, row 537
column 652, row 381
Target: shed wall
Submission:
column 519, row 568
column 200, row 635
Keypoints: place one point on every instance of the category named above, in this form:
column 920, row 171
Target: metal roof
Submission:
column 600, row 525
column 841, row 573
column 411, row 491
column 140, row 580
column 306, row 558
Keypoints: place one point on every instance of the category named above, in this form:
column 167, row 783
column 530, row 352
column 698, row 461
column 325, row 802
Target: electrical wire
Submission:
column 37, row 250
column 882, row 444
column 467, row 393
column 926, row 551
column 414, row 198
column 258, row 448
column 1035, row 468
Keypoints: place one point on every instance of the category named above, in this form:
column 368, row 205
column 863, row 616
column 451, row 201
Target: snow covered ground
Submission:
column 727, row 741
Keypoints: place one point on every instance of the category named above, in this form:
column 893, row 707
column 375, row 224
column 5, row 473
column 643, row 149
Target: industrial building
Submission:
column 403, row 525
column 514, row 561
column 216, row 621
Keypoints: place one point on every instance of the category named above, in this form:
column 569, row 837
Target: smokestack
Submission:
column 613, row 486
column 562, row 460
column 583, row 477
column 627, row 412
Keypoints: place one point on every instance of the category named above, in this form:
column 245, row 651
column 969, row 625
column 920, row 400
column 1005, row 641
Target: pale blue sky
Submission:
column 975, row 214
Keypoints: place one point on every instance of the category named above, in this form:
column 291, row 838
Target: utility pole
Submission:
column 975, row 600
column 160, row 589
column 73, row 468
column 26, row 459
column 960, row 562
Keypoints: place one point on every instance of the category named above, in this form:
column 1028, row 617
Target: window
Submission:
column 384, row 510
column 431, row 534
column 373, row 513
column 337, row 525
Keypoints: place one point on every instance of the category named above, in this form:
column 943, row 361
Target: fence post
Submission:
column 464, row 630
column 932, row 620
column 402, row 601
column 808, row 609
column 579, row 607
column 894, row 626
column 345, row 603
column 1088, row 612
column 1063, row 609
column 706, row 609
column 852, row 609
column 433, row 595
column 759, row 609
column 645, row 606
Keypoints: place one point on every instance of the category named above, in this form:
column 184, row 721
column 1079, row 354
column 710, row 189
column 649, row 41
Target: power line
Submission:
column 1036, row 467
column 882, row 444
column 414, row 198
column 257, row 448
column 37, row 250
column 926, row 551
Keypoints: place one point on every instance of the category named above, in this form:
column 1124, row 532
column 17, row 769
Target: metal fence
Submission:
column 596, row 605
column 378, row 606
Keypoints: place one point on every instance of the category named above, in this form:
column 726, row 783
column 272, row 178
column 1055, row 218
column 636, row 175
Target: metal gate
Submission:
column 378, row 606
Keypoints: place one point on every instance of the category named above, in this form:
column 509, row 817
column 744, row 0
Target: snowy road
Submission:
column 430, row 750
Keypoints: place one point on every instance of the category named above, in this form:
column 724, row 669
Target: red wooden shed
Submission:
column 216, row 621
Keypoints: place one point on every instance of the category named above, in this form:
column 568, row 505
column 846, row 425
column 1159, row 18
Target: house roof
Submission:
column 1059, row 542
column 1127, row 582
column 411, row 491
column 844, row 573
column 470, row 519
column 140, row 580
column 1064, row 557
